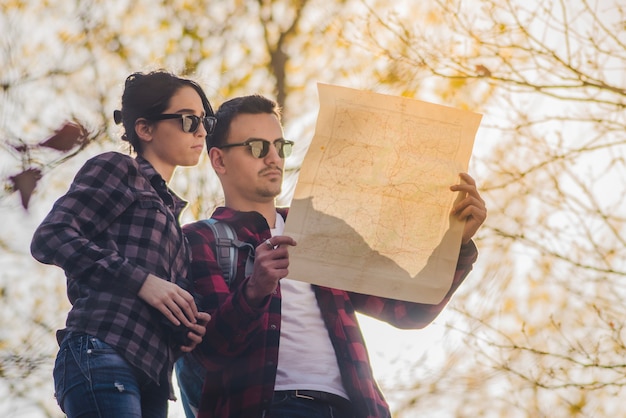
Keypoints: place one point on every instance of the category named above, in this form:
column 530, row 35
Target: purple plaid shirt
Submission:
column 117, row 223
column 240, row 348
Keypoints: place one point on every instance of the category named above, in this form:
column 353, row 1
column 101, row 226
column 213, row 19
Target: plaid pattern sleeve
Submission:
column 117, row 223
column 69, row 235
column 233, row 322
column 415, row 315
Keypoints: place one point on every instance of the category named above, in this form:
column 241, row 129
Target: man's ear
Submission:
column 143, row 129
column 216, row 156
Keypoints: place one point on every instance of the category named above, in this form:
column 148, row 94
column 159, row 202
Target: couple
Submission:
column 267, row 348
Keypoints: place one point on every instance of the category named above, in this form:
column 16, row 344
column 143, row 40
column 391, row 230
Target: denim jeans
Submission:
column 190, row 376
column 287, row 406
column 92, row 380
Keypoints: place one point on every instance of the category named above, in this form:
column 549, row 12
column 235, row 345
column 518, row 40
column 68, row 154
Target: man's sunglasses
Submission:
column 260, row 147
column 190, row 123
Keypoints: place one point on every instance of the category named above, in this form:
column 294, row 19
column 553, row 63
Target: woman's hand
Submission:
column 174, row 302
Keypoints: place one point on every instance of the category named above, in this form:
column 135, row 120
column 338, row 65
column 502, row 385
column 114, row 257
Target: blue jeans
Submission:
column 287, row 406
column 92, row 380
column 190, row 376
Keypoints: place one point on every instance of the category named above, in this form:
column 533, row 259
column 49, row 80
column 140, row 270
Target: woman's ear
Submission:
column 143, row 129
column 216, row 156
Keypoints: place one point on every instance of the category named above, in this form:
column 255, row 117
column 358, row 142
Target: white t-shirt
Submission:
column 306, row 357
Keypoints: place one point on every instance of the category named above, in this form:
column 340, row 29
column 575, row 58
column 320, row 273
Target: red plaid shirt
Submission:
column 240, row 348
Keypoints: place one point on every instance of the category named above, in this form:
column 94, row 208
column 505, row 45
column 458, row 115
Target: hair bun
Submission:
column 117, row 116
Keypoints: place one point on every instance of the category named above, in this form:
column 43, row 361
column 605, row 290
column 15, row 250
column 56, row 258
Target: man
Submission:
column 277, row 347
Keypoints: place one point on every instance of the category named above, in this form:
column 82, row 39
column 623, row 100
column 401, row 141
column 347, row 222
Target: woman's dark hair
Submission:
column 253, row 104
column 147, row 95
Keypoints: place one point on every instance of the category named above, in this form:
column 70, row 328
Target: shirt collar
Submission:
column 147, row 169
column 160, row 185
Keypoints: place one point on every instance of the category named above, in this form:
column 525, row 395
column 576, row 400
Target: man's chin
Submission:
column 270, row 193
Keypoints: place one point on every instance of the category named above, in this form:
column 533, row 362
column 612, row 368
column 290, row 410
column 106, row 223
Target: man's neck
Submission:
column 270, row 216
column 268, row 210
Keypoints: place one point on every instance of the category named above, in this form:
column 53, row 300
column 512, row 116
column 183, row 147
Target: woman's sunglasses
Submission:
column 190, row 123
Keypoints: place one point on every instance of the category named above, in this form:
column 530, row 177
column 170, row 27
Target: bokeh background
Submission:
column 537, row 330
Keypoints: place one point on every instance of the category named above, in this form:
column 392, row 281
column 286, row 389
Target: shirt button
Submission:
column 272, row 326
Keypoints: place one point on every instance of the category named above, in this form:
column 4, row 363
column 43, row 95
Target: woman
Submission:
column 116, row 234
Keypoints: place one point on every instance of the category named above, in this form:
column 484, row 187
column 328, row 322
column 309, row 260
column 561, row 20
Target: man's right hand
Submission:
column 271, row 262
column 196, row 332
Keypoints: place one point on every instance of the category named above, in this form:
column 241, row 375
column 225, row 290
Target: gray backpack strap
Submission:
column 226, row 247
column 224, row 251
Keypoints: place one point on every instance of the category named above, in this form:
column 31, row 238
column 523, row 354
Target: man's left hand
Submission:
column 470, row 208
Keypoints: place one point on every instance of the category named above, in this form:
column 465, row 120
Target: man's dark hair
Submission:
column 253, row 104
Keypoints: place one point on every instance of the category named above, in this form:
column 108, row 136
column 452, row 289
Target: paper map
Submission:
column 371, row 208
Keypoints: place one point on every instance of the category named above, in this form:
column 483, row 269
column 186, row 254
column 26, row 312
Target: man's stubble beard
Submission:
column 270, row 193
column 271, row 190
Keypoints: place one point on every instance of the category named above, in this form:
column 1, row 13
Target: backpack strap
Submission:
column 226, row 247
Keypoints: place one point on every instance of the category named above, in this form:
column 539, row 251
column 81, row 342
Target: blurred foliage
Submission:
column 541, row 320
column 538, row 325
